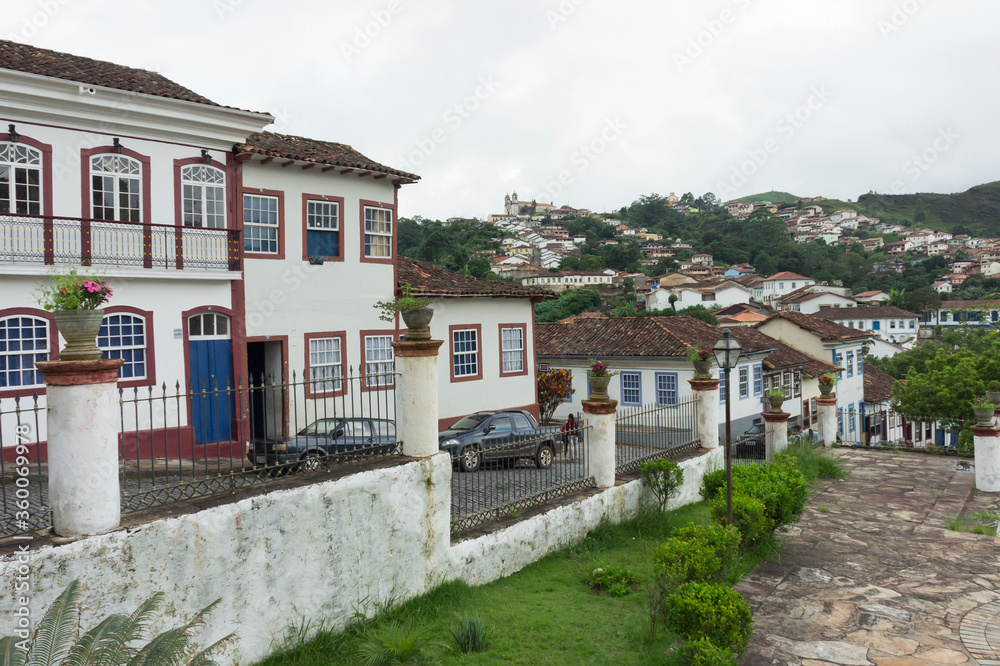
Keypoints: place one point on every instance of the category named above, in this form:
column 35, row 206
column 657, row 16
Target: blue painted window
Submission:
column 840, row 421
column 850, row 417
column 23, row 340
column 124, row 336
column 861, row 363
column 758, row 379
column 666, row 389
column 850, row 364
column 569, row 396
column 322, row 229
column 744, row 382
column 631, row 388
column 723, row 389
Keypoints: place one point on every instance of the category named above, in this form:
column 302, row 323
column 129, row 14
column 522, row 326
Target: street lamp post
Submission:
column 727, row 353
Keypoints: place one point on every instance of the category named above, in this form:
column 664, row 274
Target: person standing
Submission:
column 570, row 435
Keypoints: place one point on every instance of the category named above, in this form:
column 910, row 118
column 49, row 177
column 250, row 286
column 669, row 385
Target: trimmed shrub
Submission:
column 697, row 553
column 749, row 517
column 713, row 483
column 664, row 478
column 713, row 612
column 701, row 652
column 615, row 581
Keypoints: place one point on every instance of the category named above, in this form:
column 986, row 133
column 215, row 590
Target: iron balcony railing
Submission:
column 88, row 242
column 654, row 431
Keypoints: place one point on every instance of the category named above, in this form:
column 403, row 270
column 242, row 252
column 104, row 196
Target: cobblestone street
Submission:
column 873, row 575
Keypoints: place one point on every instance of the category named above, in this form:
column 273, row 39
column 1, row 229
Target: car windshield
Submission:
column 470, row 422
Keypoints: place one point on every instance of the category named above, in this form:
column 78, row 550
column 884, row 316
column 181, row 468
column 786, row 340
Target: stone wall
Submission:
column 317, row 553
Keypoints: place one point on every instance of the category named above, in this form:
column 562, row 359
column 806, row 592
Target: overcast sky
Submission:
column 589, row 103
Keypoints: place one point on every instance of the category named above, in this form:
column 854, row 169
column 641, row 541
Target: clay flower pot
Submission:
column 599, row 388
column 417, row 323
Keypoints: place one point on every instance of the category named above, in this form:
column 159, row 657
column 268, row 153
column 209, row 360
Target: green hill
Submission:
column 976, row 210
column 773, row 197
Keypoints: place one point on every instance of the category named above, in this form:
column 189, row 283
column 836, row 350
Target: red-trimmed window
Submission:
column 466, row 352
column 378, row 234
column 126, row 333
column 323, row 228
column 263, row 218
column 116, row 188
column 513, row 339
column 24, row 340
column 20, row 179
column 325, row 363
column 379, row 359
column 203, row 196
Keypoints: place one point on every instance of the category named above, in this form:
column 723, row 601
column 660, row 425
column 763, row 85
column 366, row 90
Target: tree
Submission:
column 478, row 266
column 944, row 392
column 554, row 387
column 710, row 200
column 921, row 300
column 765, row 264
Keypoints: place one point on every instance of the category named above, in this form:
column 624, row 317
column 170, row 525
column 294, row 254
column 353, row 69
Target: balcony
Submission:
column 45, row 241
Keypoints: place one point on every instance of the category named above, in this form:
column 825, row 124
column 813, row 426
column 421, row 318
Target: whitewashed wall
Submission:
column 314, row 554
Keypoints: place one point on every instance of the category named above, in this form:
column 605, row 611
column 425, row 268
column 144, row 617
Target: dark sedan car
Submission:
column 498, row 435
column 751, row 443
column 327, row 437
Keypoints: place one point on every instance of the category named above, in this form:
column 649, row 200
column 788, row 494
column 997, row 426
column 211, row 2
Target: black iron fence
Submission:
column 654, row 431
column 499, row 479
column 183, row 443
column 23, row 478
column 178, row 444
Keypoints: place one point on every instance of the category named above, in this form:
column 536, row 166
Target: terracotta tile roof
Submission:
column 961, row 305
column 430, row 280
column 300, row 148
column 743, row 317
column 787, row 275
column 827, row 330
column 660, row 337
column 809, row 296
column 864, row 312
column 866, row 294
column 817, row 368
column 43, row 62
column 878, row 384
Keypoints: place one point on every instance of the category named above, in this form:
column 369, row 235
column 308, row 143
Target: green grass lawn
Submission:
column 546, row 613
column 543, row 614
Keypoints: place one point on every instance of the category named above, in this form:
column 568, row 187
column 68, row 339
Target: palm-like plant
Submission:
column 55, row 641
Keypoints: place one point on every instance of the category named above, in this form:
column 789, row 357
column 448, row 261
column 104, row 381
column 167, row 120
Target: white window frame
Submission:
column 25, row 359
column 326, row 364
column 254, row 231
column 198, row 181
column 124, row 175
column 379, row 361
column 114, row 346
column 468, row 359
column 512, row 350
column 323, row 217
column 20, row 160
column 744, row 381
column 628, row 391
column 378, row 227
column 203, row 318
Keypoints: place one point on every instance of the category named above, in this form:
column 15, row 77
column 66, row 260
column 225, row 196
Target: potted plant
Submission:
column 701, row 357
column 983, row 409
column 75, row 303
column 599, row 377
column 416, row 313
column 993, row 392
column 776, row 397
column 826, row 384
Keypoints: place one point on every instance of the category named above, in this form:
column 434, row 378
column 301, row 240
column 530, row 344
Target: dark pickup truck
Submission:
column 505, row 435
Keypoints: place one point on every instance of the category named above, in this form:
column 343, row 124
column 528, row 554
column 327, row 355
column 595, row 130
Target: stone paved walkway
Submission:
column 872, row 575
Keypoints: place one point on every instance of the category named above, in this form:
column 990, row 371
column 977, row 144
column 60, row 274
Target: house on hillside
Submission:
column 708, row 294
column 561, row 281
column 964, row 313
column 894, row 324
column 780, row 284
column 488, row 357
column 871, row 297
column 651, row 355
column 882, row 423
column 808, row 301
column 739, row 270
column 842, row 346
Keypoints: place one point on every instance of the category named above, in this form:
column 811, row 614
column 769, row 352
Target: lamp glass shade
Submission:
column 727, row 350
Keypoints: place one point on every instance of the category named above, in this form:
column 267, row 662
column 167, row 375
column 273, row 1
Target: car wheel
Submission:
column 470, row 460
column 544, row 456
column 311, row 462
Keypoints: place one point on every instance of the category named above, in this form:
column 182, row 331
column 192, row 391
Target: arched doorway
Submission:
column 210, row 354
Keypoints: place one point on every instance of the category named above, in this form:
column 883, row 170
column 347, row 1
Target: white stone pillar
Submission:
column 706, row 406
column 827, row 408
column 775, row 433
column 599, row 440
column 987, row 443
column 417, row 396
column 82, row 423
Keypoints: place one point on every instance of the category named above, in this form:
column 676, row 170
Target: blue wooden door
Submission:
column 211, row 356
